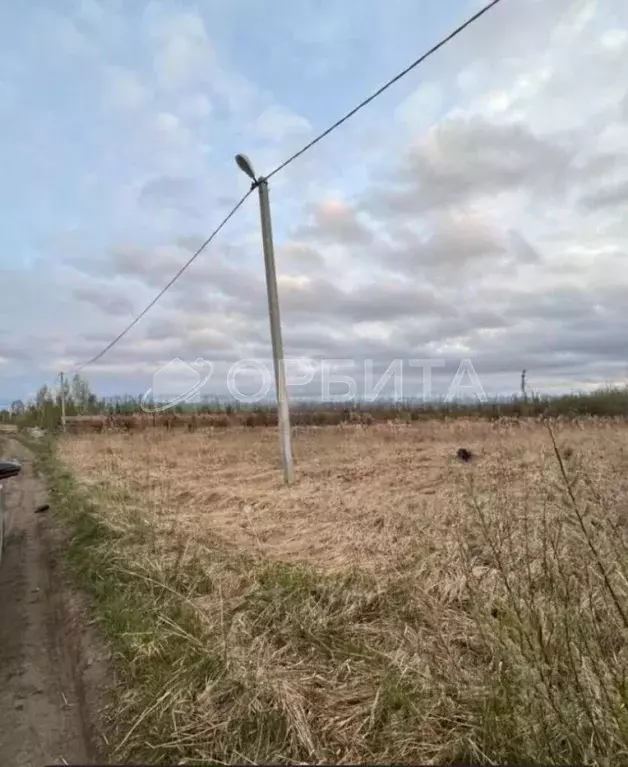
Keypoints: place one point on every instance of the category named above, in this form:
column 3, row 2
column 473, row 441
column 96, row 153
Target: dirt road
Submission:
column 42, row 711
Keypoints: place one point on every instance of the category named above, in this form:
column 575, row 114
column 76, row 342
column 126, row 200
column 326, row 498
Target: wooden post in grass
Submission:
column 62, row 379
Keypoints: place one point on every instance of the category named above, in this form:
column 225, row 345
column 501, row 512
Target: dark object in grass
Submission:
column 464, row 454
column 42, row 508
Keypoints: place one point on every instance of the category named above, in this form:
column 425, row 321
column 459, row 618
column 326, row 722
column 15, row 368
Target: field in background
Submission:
column 394, row 605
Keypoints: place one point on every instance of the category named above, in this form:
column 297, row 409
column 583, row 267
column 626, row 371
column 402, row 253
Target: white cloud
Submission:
column 615, row 38
column 125, row 89
column 276, row 123
column 194, row 107
column 422, row 107
column 183, row 53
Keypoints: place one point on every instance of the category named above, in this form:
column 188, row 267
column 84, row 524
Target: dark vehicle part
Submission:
column 8, row 469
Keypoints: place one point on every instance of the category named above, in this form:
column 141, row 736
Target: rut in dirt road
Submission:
column 41, row 711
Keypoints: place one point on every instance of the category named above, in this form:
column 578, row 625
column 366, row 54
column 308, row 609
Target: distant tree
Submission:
column 81, row 393
column 43, row 396
column 45, row 413
column 67, row 392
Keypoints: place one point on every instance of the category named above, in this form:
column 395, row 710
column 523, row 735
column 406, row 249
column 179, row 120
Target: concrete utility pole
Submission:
column 273, row 309
column 523, row 386
column 62, row 379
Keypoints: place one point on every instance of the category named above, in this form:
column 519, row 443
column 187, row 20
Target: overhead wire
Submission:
column 185, row 266
column 287, row 162
column 385, row 87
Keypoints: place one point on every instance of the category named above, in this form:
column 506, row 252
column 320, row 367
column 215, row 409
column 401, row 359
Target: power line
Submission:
column 167, row 287
column 378, row 92
column 287, row 162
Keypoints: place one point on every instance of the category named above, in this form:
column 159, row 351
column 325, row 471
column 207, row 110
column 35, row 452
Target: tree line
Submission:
column 44, row 411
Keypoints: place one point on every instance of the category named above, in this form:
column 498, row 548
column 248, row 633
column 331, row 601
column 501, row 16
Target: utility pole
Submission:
column 273, row 309
column 523, row 386
column 62, row 379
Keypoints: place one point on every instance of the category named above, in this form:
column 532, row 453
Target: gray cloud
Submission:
column 456, row 247
column 296, row 256
column 161, row 330
column 607, row 197
column 334, row 222
column 105, row 299
column 467, row 157
column 321, row 298
column 181, row 193
column 13, row 352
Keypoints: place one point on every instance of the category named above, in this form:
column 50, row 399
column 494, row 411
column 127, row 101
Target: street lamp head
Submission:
column 244, row 164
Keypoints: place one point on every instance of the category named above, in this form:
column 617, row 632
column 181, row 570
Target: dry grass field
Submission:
column 393, row 605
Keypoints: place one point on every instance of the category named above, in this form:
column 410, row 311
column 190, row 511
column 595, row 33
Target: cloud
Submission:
column 613, row 196
column 477, row 210
column 183, row 50
column 276, row 123
column 335, row 221
column 195, row 107
column 465, row 158
column 125, row 89
column 114, row 305
column 68, row 39
column 424, row 104
column 91, row 12
column 12, row 352
column 181, row 193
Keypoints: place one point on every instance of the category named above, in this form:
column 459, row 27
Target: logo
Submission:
column 175, row 383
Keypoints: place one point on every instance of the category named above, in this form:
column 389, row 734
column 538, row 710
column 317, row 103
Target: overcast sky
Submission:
column 478, row 210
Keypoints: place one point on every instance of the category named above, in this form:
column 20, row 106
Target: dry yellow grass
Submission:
column 362, row 493
column 393, row 605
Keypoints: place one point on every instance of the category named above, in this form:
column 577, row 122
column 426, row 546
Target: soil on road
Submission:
column 43, row 716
